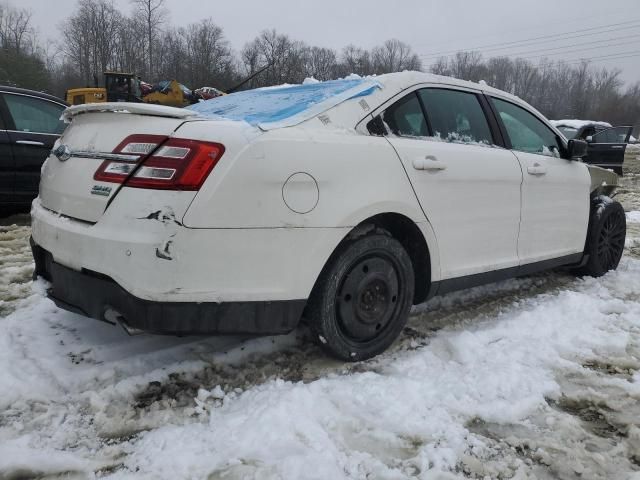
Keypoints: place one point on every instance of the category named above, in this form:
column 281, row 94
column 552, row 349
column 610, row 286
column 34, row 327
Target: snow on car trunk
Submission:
column 67, row 183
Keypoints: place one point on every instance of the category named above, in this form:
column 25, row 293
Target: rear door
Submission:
column 468, row 187
column 607, row 148
column 33, row 127
column 555, row 191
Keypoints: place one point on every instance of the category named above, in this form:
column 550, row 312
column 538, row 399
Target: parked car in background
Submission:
column 607, row 144
column 30, row 123
column 342, row 202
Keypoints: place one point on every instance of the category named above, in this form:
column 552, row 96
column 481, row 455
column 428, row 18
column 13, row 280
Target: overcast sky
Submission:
column 600, row 28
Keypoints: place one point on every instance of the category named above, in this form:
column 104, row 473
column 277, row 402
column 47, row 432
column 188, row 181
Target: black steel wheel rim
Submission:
column 368, row 297
column 611, row 241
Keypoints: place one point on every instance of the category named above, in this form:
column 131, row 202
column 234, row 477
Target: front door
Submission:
column 555, row 190
column 468, row 187
column 607, row 147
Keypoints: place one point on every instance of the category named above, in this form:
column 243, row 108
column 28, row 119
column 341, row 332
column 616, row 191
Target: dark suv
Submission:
column 606, row 144
column 29, row 125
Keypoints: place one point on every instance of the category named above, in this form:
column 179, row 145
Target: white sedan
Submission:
column 342, row 203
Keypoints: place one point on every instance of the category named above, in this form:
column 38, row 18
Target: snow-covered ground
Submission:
column 536, row 377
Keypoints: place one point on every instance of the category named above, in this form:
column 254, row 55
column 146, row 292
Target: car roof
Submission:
column 394, row 85
column 407, row 79
column 33, row 93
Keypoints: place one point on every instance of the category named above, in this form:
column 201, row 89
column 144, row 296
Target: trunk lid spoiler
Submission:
column 128, row 107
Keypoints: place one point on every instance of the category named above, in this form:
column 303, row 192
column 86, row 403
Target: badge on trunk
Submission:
column 100, row 190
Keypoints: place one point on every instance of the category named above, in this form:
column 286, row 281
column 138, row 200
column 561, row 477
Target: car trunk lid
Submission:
column 67, row 185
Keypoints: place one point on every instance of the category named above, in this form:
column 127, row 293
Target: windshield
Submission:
column 569, row 132
column 274, row 104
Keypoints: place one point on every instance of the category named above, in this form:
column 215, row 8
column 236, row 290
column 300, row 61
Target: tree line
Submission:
column 98, row 37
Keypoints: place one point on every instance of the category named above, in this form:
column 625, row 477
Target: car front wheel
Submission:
column 362, row 299
column 605, row 240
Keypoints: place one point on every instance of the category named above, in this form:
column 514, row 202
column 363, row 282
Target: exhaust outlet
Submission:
column 114, row 317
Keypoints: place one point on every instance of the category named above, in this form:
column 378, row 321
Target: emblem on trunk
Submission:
column 100, row 190
column 63, row 152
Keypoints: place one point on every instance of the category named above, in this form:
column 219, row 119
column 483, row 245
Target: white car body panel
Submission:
column 345, row 168
column 555, row 207
column 279, row 202
column 476, row 222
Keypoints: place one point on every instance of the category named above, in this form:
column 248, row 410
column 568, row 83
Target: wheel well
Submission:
column 404, row 230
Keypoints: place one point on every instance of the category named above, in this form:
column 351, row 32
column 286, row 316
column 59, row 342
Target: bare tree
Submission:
column 171, row 55
column 285, row 57
column 15, row 29
column 395, row 56
column 91, row 37
column 208, row 55
column 152, row 14
column 355, row 60
column 129, row 56
column 321, row 63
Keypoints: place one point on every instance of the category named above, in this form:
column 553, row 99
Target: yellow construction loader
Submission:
column 127, row 87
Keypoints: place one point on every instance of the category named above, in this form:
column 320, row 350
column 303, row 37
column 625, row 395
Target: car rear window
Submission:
column 275, row 104
column 569, row 132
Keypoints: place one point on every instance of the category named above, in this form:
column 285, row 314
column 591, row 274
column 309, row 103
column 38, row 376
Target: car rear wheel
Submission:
column 605, row 240
column 362, row 300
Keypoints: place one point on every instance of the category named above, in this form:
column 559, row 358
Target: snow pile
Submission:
column 578, row 124
column 633, row 217
column 81, row 396
column 409, row 413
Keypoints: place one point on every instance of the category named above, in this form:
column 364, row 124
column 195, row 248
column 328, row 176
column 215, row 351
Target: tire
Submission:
column 362, row 299
column 605, row 240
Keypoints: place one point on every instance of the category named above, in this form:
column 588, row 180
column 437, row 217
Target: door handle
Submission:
column 428, row 163
column 30, row 142
column 537, row 169
column 617, row 147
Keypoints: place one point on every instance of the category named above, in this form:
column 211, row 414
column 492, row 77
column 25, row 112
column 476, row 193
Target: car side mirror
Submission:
column 589, row 139
column 577, row 148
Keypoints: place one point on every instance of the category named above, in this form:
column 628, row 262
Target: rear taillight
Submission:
column 161, row 163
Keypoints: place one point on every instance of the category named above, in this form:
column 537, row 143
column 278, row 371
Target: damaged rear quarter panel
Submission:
column 156, row 213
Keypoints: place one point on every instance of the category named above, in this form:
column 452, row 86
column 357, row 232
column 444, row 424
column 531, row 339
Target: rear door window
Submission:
column 527, row 133
column 34, row 115
column 456, row 116
column 405, row 118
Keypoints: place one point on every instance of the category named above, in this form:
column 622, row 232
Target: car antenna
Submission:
column 250, row 77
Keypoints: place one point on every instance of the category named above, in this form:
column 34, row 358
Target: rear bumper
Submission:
column 98, row 296
column 160, row 260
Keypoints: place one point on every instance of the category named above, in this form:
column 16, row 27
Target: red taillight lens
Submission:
column 178, row 164
column 170, row 164
column 130, row 151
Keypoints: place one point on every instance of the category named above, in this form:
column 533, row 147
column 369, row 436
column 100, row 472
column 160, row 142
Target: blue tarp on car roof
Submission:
column 272, row 106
